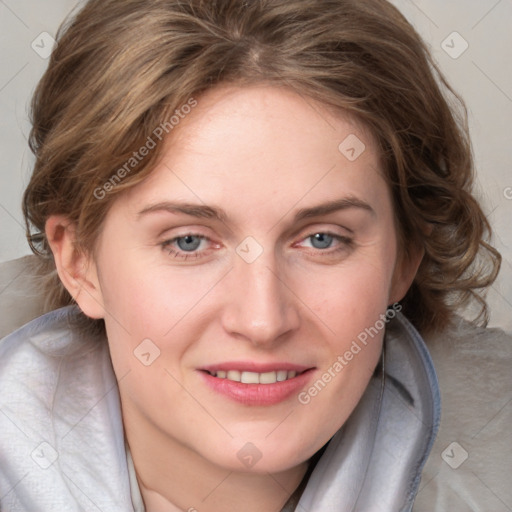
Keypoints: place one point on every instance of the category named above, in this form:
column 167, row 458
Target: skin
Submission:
column 261, row 154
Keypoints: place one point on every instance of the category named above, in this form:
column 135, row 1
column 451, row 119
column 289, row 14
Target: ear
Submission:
column 405, row 271
column 76, row 270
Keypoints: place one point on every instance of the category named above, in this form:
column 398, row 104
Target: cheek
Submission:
column 351, row 312
column 349, row 304
column 152, row 308
column 349, row 298
column 148, row 298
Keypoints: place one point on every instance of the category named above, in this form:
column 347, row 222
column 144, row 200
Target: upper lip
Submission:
column 251, row 366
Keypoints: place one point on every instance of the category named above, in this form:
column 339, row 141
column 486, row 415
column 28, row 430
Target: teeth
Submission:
column 282, row 375
column 250, row 378
column 234, row 375
column 255, row 378
column 268, row 378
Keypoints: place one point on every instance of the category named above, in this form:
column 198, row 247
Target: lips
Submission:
column 256, row 384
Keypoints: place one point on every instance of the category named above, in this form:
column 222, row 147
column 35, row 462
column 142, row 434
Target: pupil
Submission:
column 189, row 243
column 321, row 241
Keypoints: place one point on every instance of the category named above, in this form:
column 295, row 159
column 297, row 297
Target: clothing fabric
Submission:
column 62, row 443
column 470, row 465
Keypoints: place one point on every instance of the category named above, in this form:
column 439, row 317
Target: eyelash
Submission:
column 345, row 243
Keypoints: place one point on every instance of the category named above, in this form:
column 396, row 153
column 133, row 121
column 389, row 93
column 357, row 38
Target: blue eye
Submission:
column 321, row 240
column 188, row 243
column 327, row 245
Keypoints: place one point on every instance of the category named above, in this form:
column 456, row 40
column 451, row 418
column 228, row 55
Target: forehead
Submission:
column 277, row 120
column 262, row 148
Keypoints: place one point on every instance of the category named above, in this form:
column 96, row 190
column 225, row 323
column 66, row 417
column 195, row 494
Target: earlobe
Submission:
column 77, row 270
column 404, row 273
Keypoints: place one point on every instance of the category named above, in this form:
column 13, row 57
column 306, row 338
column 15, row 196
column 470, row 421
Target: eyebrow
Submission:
column 333, row 206
column 210, row 212
column 194, row 210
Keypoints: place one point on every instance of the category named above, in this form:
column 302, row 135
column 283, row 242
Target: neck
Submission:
column 174, row 478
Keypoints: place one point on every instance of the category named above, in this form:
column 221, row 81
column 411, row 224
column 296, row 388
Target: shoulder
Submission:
column 61, row 435
column 32, row 357
column 470, row 464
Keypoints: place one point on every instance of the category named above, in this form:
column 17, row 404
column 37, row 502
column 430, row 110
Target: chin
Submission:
column 262, row 455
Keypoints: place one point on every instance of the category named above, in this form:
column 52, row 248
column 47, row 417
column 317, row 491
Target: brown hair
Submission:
column 122, row 69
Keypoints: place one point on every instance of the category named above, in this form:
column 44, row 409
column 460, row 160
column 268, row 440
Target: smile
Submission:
column 255, row 378
column 256, row 384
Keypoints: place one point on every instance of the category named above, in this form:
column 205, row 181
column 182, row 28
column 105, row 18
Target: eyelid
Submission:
column 340, row 238
column 326, row 228
column 323, row 224
column 181, row 230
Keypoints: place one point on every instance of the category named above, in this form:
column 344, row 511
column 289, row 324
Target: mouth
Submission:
column 255, row 378
column 256, row 384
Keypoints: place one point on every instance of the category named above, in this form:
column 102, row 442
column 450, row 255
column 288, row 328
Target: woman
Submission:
column 236, row 200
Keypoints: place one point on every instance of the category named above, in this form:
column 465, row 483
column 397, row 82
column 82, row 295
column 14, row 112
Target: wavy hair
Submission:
column 121, row 69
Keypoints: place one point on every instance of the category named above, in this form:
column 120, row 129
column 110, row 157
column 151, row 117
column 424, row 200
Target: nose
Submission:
column 260, row 308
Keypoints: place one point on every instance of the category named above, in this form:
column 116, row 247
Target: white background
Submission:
column 482, row 75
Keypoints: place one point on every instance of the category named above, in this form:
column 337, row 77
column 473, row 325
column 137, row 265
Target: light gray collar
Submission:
column 374, row 462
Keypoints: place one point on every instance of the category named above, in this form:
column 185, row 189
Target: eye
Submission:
column 321, row 240
column 187, row 245
column 326, row 244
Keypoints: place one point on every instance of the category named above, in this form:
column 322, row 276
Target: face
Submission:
column 239, row 275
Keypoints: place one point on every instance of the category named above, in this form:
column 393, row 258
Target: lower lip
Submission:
column 258, row 394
